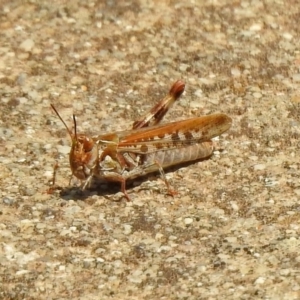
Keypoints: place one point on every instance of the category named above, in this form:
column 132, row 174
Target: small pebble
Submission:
column 188, row 221
column 27, row 45
column 260, row 280
column 296, row 77
column 8, row 201
column 63, row 149
column 259, row 167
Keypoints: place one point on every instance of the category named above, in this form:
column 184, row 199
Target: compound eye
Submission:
column 87, row 143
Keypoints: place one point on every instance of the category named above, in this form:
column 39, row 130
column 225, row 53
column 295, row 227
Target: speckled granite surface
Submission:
column 233, row 230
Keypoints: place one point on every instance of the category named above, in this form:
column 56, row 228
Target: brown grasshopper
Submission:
column 147, row 147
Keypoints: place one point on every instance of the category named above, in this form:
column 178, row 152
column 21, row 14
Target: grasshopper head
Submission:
column 83, row 156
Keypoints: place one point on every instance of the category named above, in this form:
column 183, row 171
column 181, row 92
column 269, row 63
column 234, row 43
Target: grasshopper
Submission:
column 148, row 147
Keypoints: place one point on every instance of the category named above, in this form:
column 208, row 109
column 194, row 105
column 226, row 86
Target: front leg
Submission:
column 125, row 162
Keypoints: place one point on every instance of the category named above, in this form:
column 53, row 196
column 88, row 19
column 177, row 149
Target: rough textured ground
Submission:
column 233, row 230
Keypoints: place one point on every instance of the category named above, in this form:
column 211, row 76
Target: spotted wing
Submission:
column 173, row 135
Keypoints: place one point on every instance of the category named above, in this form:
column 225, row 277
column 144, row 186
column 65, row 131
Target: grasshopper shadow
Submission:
column 77, row 194
column 108, row 189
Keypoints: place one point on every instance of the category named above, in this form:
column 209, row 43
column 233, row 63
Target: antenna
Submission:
column 69, row 131
column 75, row 127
